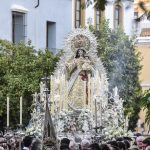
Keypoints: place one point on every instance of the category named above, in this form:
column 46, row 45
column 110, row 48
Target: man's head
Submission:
column 65, row 140
column 64, row 144
column 27, row 141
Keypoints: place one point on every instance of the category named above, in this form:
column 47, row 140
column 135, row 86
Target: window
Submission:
column 18, row 27
column 78, row 14
column 135, row 15
column 51, row 36
column 98, row 19
column 135, row 22
column 117, row 16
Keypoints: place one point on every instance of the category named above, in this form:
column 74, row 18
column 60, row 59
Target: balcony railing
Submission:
column 143, row 28
column 142, row 32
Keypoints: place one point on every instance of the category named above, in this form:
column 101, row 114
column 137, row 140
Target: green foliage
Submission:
column 146, row 105
column 122, row 62
column 21, row 70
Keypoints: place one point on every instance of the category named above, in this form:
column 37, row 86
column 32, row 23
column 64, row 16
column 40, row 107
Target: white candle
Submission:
column 89, row 91
column 66, row 99
column 84, row 94
column 60, row 90
column 92, row 87
column 100, row 113
column 51, row 93
column 127, row 122
column 7, row 111
column 97, row 83
column 21, row 110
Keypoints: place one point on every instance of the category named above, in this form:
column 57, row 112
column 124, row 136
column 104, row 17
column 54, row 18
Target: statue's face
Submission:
column 81, row 52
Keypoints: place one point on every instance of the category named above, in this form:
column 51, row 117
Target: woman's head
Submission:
column 80, row 53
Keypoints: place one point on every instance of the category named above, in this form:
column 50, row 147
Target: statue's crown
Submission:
column 80, row 41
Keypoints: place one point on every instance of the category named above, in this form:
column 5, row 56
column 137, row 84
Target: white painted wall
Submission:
column 128, row 18
column 59, row 11
column 109, row 13
column 89, row 15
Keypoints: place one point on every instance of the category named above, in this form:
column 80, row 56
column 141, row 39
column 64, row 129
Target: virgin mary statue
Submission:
column 80, row 76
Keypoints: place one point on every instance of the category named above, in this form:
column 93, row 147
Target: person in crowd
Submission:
column 12, row 143
column 146, row 143
column 94, row 146
column 113, row 144
column 139, row 142
column 36, row 144
column 114, row 148
column 3, row 142
column 85, row 144
column 27, row 141
column 133, row 147
column 121, row 145
column 64, row 144
column 119, row 139
column 104, row 147
column 127, row 144
column 73, row 145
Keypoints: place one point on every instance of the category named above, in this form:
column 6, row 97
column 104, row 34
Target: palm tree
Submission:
column 146, row 106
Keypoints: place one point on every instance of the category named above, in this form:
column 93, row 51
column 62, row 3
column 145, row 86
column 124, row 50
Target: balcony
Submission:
column 142, row 30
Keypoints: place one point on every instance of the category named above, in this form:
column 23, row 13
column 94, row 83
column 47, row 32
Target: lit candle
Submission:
column 21, row 110
column 7, row 111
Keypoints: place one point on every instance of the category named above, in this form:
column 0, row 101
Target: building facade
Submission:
column 119, row 14
column 45, row 22
column 142, row 32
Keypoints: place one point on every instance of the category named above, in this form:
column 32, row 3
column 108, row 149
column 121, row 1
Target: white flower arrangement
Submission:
column 112, row 132
column 85, row 121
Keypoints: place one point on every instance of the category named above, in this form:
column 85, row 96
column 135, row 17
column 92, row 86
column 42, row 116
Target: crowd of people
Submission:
column 139, row 142
column 121, row 143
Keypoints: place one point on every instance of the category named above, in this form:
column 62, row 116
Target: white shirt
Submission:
column 26, row 148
